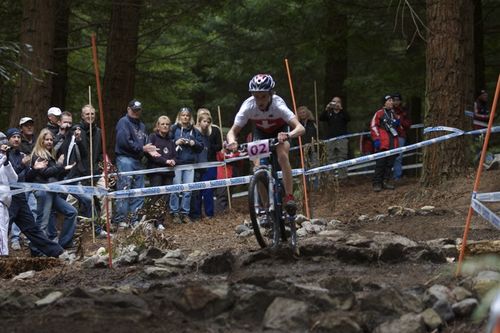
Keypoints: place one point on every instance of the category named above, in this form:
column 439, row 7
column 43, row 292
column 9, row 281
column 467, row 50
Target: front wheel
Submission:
column 259, row 203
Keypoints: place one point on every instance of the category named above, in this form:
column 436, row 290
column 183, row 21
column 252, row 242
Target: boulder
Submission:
column 432, row 319
column 49, row 299
column 465, row 307
column 484, row 281
column 408, row 323
column 204, row 301
column 218, row 263
column 286, row 315
column 336, row 321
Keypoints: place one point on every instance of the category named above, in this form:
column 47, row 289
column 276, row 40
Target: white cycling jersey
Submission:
column 277, row 115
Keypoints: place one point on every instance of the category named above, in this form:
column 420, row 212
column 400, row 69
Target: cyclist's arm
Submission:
column 232, row 135
column 297, row 128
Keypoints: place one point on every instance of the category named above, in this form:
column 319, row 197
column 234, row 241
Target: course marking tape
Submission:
column 485, row 212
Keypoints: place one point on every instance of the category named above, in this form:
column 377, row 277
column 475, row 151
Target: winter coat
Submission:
column 96, row 146
column 131, row 137
column 379, row 129
column 166, row 148
column 52, row 173
column 405, row 121
column 336, row 123
column 186, row 154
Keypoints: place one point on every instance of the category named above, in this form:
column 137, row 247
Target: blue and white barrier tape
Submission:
column 77, row 189
column 485, row 212
column 71, row 189
column 488, row 197
column 159, row 190
column 193, row 166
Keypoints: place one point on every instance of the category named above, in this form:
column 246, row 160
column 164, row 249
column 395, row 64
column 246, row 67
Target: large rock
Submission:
column 465, row 307
column 408, row 323
column 286, row 315
column 322, row 298
column 432, row 319
column 460, row 293
column 436, row 293
column 337, row 321
column 50, row 298
column 484, row 281
column 444, row 310
column 204, row 301
column 389, row 302
column 154, row 272
column 218, row 263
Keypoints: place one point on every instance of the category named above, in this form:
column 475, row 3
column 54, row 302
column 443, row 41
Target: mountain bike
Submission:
column 265, row 195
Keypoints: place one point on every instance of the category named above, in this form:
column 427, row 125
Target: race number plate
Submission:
column 258, row 149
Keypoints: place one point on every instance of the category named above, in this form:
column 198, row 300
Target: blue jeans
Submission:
column 128, row 205
column 15, row 232
column 47, row 204
column 30, row 198
column 206, row 196
column 181, row 177
column 397, row 168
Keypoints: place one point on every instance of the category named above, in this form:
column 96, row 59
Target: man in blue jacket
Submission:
column 131, row 145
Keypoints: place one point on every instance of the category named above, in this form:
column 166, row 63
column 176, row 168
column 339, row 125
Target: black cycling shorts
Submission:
column 260, row 135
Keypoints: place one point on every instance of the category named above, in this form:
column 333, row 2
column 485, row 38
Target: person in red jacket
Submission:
column 401, row 114
column 384, row 131
column 481, row 111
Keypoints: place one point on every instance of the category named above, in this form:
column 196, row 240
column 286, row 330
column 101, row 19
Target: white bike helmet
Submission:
column 261, row 82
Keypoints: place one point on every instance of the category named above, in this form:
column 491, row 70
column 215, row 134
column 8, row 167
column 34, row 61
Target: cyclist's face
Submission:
column 262, row 99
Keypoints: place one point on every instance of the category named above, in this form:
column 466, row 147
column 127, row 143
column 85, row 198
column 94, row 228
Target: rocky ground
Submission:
column 370, row 262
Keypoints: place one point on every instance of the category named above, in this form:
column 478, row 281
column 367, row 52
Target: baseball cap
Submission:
column 386, row 98
column 13, row 131
column 397, row 95
column 54, row 111
column 24, row 120
column 135, row 105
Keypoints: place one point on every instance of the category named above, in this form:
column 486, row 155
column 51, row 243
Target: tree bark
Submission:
column 479, row 46
column 121, row 54
column 33, row 93
column 60, row 80
column 336, row 56
column 449, row 75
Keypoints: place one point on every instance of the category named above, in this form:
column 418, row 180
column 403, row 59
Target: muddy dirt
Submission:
column 123, row 299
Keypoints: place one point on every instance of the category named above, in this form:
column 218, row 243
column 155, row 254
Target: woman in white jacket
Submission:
column 7, row 176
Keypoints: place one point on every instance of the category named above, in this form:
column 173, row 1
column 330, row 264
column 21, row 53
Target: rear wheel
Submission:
column 262, row 218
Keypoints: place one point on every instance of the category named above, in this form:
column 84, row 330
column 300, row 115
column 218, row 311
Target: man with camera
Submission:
column 384, row 131
column 336, row 119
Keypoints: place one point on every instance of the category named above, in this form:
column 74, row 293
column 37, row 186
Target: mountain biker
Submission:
column 272, row 119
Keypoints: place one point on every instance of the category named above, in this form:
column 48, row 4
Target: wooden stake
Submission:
column 91, row 170
column 103, row 138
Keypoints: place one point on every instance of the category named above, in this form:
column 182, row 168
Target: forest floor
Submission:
column 351, row 199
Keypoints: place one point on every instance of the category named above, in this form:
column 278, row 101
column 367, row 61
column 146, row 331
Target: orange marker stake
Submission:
column 478, row 177
column 306, row 198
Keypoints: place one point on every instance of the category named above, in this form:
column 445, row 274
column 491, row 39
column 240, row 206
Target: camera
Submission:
column 389, row 127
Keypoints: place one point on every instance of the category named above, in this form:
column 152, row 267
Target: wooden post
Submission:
column 224, row 157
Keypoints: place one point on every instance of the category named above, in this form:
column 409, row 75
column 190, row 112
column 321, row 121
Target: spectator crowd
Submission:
column 65, row 149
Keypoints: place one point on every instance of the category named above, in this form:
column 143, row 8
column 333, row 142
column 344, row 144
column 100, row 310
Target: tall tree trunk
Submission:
column 60, row 80
column 336, row 55
column 449, row 44
column 121, row 53
column 33, row 95
column 479, row 46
